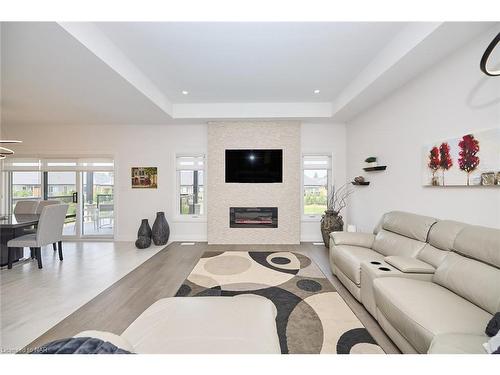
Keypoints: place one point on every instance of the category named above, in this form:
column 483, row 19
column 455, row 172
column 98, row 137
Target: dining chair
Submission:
column 41, row 205
column 49, row 231
column 25, row 207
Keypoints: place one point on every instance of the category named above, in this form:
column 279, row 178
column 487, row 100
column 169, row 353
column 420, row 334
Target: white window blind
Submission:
column 58, row 164
column 193, row 163
column 316, row 162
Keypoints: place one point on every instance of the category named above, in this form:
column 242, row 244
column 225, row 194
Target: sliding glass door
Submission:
column 98, row 203
column 63, row 187
column 87, row 186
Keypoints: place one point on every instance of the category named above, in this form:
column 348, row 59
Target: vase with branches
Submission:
column 331, row 220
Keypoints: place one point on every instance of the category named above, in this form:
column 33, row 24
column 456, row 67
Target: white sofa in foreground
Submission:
column 432, row 285
column 201, row 325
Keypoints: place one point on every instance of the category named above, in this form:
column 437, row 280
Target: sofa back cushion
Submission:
column 408, row 225
column 442, row 236
column 472, row 270
column 402, row 233
column 475, row 281
column 479, row 243
column 432, row 255
column 389, row 243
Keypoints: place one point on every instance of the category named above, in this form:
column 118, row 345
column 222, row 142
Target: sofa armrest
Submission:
column 353, row 239
column 409, row 265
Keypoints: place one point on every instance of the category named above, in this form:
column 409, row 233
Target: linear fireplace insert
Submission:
column 253, row 217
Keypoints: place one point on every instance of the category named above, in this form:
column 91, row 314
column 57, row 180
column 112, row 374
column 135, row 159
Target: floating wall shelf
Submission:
column 366, row 183
column 372, row 169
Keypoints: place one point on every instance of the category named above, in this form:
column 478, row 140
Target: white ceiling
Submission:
column 250, row 62
column 134, row 73
column 49, row 77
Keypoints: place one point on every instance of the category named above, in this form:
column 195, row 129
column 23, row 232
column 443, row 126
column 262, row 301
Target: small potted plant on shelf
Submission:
column 371, row 162
column 331, row 221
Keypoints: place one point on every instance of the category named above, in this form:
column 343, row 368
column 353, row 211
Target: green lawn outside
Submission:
column 314, row 209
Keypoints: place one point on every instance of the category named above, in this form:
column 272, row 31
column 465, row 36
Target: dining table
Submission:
column 11, row 226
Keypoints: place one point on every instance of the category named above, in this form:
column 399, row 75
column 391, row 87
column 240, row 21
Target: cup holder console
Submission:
column 376, row 263
column 384, row 269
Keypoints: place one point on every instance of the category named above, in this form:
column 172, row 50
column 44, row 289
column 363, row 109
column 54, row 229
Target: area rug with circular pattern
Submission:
column 311, row 315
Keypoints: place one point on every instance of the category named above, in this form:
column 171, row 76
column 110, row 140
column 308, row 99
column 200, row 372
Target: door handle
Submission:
column 75, row 197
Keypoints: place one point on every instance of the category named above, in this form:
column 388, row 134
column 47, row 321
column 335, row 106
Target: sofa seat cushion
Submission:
column 458, row 343
column 206, row 325
column 348, row 259
column 420, row 310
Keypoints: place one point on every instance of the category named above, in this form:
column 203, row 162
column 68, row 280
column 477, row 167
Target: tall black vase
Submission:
column 144, row 229
column 161, row 230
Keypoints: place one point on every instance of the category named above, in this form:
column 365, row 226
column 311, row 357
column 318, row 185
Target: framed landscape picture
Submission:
column 470, row 160
column 144, row 177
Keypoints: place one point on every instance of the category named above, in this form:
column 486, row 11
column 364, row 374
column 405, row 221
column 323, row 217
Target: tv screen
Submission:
column 254, row 166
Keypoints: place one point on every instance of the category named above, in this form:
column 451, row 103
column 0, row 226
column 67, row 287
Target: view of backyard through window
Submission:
column 98, row 203
column 97, row 206
column 26, row 185
column 315, row 191
column 191, row 191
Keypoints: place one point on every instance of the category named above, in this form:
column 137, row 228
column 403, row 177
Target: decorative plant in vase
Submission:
column 371, row 161
column 434, row 164
column 331, row 220
column 468, row 161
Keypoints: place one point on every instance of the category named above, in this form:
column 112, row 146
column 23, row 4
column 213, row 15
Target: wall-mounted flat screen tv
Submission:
column 254, row 166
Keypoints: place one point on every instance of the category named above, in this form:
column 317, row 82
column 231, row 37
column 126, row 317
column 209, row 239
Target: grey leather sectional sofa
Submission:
column 431, row 284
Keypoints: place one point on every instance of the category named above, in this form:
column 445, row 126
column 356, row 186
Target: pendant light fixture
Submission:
column 4, row 151
column 486, row 55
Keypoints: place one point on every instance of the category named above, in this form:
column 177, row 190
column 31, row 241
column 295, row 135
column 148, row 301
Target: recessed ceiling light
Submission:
column 185, row 92
column 317, row 91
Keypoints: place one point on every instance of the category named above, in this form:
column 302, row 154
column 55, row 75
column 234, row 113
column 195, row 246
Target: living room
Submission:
column 250, row 187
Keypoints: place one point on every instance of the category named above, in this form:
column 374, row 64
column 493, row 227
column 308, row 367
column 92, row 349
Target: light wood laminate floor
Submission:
column 32, row 301
column 161, row 276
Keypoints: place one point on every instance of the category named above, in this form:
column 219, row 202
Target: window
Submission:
column 316, row 182
column 26, row 185
column 191, row 186
column 85, row 184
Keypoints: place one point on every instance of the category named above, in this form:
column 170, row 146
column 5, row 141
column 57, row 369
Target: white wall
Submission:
column 131, row 146
column 323, row 138
column 156, row 145
column 451, row 99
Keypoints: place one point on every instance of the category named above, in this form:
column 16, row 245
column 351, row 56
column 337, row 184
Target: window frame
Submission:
column 328, row 156
column 178, row 217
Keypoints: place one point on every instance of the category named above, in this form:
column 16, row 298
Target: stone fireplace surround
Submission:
column 285, row 196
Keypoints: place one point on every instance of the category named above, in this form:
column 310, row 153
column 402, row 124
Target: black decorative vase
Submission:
column 143, row 242
column 161, row 230
column 144, row 229
column 331, row 221
column 143, row 235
